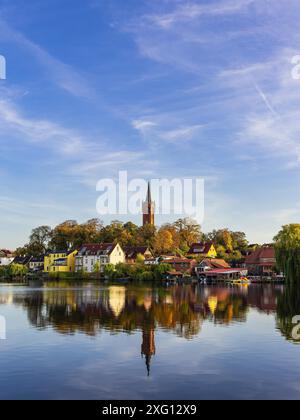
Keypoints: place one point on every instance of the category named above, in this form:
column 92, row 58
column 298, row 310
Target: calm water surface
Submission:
column 137, row 342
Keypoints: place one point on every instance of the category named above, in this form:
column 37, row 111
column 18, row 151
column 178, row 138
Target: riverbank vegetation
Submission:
column 287, row 248
column 13, row 271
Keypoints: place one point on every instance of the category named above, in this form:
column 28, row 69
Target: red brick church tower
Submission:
column 148, row 209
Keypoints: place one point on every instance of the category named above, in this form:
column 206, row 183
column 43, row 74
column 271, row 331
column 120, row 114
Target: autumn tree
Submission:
column 163, row 242
column 189, row 232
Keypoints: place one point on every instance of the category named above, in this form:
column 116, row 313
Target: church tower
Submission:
column 148, row 209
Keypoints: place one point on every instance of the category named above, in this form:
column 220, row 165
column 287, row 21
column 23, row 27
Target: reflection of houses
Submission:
column 261, row 262
column 148, row 346
column 91, row 254
column 60, row 262
column 203, row 249
column 132, row 253
column 117, row 299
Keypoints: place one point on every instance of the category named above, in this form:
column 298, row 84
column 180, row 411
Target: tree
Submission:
column 189, row 232
column 160, row 270
column 109, row 270
column 163, row 242
column 97, row 268
column 146, row 235
column 39, row 240
column 64, row 235
column 18, row 270
column 287, row 248
column 140, row 259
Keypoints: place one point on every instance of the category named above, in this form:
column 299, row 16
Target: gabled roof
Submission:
column 264, row 253
column 215, row 263
column 133, row 251
column 37, row 259
column 5, row 253
column 22, row 260
column 200, row 248
column 97, row 249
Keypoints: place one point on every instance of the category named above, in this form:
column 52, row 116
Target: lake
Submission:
column 74, row 341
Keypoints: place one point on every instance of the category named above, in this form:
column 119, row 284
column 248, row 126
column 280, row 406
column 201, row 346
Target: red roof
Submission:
column 215, row 263
column 264, row 253
column 200, row 248
column 179, row 261
column 92, row 249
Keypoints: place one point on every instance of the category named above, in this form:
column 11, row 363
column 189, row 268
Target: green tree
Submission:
column 109, row 270
column 18, row 270
column 39, row 240
column 287, row 248
column 97, row 268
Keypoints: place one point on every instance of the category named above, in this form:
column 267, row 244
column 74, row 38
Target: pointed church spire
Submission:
column 149, row 200
column 148, row 208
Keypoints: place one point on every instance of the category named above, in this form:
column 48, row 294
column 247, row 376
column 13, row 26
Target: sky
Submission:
column 160, row 88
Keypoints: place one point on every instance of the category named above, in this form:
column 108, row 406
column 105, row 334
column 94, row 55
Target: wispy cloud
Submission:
column 154, row 131
column 43, row 132
column 193, row 10
column 60, row 73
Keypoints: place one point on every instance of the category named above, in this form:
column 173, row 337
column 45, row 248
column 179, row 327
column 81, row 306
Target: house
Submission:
column 222, row 274
column 36, row 263
column 211, row 264
column 60, row 262
column 6, row 257
column 132, row 252
column 182, row 265
column 22, row 260
column 261, row 262
column 207, row 250
column 91, row 254
column 152, row 261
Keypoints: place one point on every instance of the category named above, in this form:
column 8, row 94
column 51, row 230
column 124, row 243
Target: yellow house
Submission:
column 206, row 250
column 60, row 262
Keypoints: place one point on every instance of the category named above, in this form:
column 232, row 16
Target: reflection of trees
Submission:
column 181, row 309
column 288, row 306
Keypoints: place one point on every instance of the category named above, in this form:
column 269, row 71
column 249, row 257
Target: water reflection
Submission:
column 180, row 309
column 287, row 308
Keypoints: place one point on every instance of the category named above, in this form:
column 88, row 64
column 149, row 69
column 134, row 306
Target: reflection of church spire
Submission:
column 148, row 346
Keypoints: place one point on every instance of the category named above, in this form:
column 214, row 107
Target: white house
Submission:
column 6, row 260
column 91, row 254
column 6, row 257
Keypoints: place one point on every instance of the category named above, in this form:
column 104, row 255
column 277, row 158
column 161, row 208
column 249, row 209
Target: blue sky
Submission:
column 161, row 88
